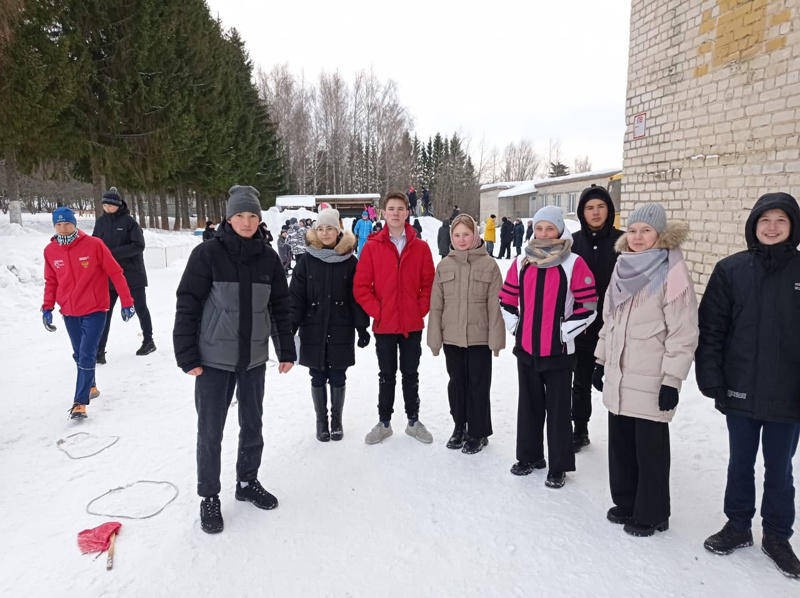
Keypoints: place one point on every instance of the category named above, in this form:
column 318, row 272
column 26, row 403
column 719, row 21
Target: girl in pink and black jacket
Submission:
column 548, row 299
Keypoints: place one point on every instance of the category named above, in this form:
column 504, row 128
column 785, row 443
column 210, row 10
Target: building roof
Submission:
column 501, row 186
column 296, row 201
column 350, row 196
column 580, row 176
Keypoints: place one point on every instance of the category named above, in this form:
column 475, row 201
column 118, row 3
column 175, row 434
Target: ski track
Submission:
column 393, row 519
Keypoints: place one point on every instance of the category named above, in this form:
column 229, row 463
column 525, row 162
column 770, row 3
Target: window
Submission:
column 572, row 206
column 558, row 200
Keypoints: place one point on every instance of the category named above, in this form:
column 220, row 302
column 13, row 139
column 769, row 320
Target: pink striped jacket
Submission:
column 546, row 308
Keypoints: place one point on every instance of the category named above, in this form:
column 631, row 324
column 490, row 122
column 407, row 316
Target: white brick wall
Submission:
column 720, row 83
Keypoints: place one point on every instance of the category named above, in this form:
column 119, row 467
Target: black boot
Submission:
column 458, row 437
column 320, row 396
column 337, row 404
column 101, row 356
column 210, row 515
column 525, row 468
column 728, row 539
column 781, row 553
column 580, row 437
column 147, row 347
column 474, row 445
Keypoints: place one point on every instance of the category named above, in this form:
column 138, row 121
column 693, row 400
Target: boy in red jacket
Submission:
column 393, row 283
column 76, row 272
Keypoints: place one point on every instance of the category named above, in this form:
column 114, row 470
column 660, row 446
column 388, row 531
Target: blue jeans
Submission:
column 779, row 443
column 84, row 333
column 336, row 378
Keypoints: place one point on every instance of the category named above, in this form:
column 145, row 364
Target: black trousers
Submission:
column 386, row 347
column 582, row 390
column 140, row 304
column 638, row 467
column 470, row 371
column 518, row 248
column 544, row 396
column 213, row 391
column 505, row 248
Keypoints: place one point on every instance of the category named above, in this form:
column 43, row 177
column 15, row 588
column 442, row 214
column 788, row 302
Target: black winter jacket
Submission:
column 519, row 232
column 323, row 307
column 232, row 298
column 443, row 238
column 747, row 357
column 529, row 232
column 208, row 233
column 123, row 236
column 507, row 232
column 597, row 250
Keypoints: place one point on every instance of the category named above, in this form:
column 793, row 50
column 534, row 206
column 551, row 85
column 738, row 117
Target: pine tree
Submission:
column 557, row 169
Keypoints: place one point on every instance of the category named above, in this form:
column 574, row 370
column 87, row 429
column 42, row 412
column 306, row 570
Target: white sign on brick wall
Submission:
column 639, row 125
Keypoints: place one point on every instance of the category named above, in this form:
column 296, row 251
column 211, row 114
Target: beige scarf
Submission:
column 546, row 253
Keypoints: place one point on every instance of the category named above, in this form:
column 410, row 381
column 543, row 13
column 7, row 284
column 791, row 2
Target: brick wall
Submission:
column 719, row 82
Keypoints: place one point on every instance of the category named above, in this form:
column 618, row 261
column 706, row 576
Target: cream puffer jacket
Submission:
column 465, row 310
column 649, row 340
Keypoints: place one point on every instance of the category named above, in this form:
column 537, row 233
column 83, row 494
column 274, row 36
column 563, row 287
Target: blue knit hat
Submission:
column 64, row 215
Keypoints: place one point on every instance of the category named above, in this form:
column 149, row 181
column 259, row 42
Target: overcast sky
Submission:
column 505, row 71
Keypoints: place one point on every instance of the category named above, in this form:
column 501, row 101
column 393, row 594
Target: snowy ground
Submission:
column 396, row 519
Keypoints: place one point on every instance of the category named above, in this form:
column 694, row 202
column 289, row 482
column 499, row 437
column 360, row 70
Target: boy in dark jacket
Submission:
column 747, row 361
column 123, row 236
column 519, row 232
column 209, row 231
column 232, row 297
column 506, row 237
column 595, row 244
column 393, row 284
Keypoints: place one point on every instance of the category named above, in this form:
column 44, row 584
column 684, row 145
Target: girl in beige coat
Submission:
column 465, row 319
column 645, row 350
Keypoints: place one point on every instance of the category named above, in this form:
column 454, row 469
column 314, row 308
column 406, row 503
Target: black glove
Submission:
column 667, row 398
column 363, row 337
column 597, row 377
column 716, row 392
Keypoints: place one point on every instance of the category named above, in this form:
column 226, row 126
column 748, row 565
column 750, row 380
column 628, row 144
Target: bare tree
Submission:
column 582, row 164
column 521, row 162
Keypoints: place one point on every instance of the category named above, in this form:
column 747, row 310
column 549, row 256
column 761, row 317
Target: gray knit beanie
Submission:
column 243, row 199
column 652, row 214
column 328, row 217
column 552, row 214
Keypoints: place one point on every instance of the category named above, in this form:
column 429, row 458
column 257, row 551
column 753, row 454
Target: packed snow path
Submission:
column 396, row 519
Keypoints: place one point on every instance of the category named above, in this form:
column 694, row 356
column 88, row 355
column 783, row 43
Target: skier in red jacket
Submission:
column 393, row 283
column 76, row 272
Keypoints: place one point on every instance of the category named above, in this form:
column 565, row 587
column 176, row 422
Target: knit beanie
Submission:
column 64, row 215
column 243, row 199
column 112, row 197
column 552, row 214
column 329, row 217
column 652, row 214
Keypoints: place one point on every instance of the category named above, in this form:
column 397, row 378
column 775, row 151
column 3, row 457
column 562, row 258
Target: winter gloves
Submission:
column 127, row 313
column 597, row 377
column 47, row 320
column 363, row 337
column 667, row 398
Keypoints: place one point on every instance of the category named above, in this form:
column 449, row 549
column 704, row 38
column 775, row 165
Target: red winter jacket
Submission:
column 76, row 276
column 395, row 290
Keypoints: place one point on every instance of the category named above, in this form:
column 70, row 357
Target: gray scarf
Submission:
column 637, row 271
column 329, row 256
column 546, row 253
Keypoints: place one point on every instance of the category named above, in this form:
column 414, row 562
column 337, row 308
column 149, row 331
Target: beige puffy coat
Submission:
column 649, row 340
column 465, row 309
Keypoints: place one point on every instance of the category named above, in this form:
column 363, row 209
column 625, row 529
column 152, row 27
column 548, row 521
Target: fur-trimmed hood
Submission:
column 672, row 238
column 346, row 243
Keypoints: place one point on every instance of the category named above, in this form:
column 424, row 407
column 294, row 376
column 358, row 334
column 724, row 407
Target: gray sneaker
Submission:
column 378, row 433
column 420, row 432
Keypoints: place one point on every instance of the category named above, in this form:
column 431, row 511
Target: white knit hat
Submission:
column 329, row 217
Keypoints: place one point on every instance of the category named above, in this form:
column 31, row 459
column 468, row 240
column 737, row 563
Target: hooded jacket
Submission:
column 395, row 289
column 76, row 276
column 443, row 238
column 650, row 339
column 596, row 247
column 124, row 237
column 323, row 306
column 464, row 307
column 232, row 298
column 747, row 358
column 519, row 232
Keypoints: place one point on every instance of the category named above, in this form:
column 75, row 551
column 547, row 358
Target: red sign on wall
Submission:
column 639, row 125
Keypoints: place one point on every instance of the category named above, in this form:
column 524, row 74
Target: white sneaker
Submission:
column 378, row 433
column 420, row 432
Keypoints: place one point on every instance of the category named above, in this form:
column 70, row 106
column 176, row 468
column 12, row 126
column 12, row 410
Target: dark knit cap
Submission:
column 243, row 198
column 112, row 197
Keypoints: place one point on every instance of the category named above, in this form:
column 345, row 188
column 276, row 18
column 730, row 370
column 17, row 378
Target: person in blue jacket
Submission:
column 363, row 230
